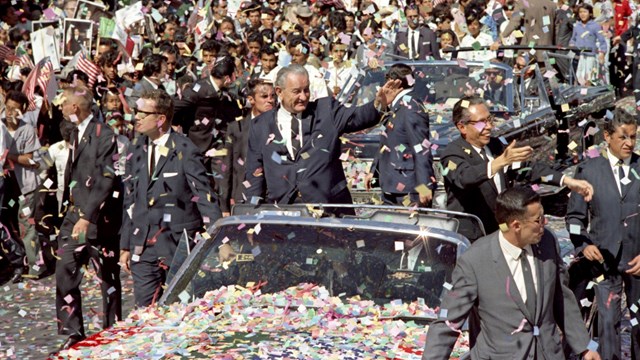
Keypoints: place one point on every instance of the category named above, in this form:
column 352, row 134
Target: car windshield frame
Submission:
column 192, row 265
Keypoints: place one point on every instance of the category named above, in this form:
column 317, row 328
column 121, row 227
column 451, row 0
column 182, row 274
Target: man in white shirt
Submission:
column 338, row 70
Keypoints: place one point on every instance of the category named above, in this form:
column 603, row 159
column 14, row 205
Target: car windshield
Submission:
column 373, row 263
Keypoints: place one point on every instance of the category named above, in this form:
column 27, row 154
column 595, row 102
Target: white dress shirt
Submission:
column 284, row 119
column 613, row 161
column 83, row 126
column 480, row 55
column 512, row 256
column 159, row 142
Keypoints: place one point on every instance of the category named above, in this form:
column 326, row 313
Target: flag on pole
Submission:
column 88, row 67
column 39, row 76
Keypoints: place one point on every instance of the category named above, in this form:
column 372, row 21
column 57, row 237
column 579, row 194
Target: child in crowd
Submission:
column 587, row 34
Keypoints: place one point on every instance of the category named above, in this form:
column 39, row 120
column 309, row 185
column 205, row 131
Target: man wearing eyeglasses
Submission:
column 167, row 192
column 478, row 167
column 605, row 231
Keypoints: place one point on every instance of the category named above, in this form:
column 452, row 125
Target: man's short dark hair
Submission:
column 108, row 58
column 223, row 66
column 269, row 50
column 253, row 84
column 153, row 64
column 255, row 37
column 400, row 72
column 512, row 203
column 77, row 74
column 211, row 45
column 167, row 47
column 620, row 117
column 369, row 24
column 460, row 112
column 164, row 102
column 18, row 97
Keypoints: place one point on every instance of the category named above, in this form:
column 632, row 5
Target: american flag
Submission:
column 88, row 67
column 5, row 52
column 39, row 76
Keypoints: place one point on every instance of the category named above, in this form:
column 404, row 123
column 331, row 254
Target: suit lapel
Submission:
column 504, row 273
column 541, row 280
column 163, row 158
column 86, row 138
column 477, row 159
column 633, row 165
column 307, row 129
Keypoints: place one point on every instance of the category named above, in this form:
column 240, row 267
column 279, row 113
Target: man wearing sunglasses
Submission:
column 478, row 167
column 167, row 192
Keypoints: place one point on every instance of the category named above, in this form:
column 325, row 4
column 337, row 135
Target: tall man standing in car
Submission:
column 404, row 164
column 478, row 167
column 294, row 149
column 605, row 230
column 89, row 178
column 416, row 43
column 167, row 192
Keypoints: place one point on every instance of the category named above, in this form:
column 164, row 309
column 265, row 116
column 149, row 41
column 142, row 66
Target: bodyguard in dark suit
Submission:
column 154, row 70
column 404, row 162
column 262, row 98
column 167, row 193
column 204, row 111
column 517, row 282
column 417, row 42
column 294, row 149
column 479, row 167
column 606, row 230
column 89, row 178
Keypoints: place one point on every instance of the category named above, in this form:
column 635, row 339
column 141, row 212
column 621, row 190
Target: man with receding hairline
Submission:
column 89, row 180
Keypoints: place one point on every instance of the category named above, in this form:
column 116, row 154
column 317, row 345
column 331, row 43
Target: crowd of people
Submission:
column 128, row 124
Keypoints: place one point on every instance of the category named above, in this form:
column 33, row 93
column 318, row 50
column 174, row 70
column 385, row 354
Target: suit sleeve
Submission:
column 185, row 106
column 418, row 132
column 566, row 311
column 456, row 306
column 578, row 215
column 196, row 174
column 103, row 175
column 461, row 173
column 435, row 47
column 515, row 21
column 536, row 172
column 255, row 166
column 128, row 182
column 349, row 120
column 226, row 183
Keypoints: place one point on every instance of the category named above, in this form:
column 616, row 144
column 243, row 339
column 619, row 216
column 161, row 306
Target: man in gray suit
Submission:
column 605, row 230
column 516, row 281
column 167, row 193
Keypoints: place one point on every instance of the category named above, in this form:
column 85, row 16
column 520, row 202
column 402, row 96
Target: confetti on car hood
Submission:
column 302, row 322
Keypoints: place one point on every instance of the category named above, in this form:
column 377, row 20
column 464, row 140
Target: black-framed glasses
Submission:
column 491, row 119
column 145, row 113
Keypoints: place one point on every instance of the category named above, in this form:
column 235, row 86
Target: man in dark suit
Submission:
column 606, row 230
column 167, row 193
column 204, row 111
column 262, row 98
column 294, row 150
column 404, row 162
column 416, row 43
column 154, row 70
column 477, row 167
column 89, row 181
column 516, row 281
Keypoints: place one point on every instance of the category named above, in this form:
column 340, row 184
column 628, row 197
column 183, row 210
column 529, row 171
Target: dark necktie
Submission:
column 295, row 132
column 152, row 162
column 528, row 283
column 412, row 48
column 621, row 176
column 483, row 152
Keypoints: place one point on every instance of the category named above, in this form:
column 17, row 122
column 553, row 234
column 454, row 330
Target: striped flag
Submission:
column 88, row 67
column 5, row 52
column 39, row 76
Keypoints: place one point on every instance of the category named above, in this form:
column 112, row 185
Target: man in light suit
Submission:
column 89, row 181
column 425, row 43
column 479, row 167
column 294, row 149
column 516, row 281
column 605, row 230
column 167, row 193
column 404, row 162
